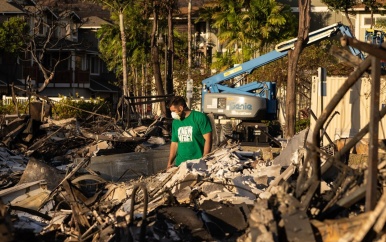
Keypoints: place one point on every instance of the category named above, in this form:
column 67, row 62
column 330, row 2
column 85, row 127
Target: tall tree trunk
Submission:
column 293, row 58
column 372, row 18
column 124, row 55
column 170, row 53
column 349, row 22
column 155, row 59
column 189, row 47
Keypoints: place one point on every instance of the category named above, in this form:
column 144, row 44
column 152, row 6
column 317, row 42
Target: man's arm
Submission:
column 208, row 143
column 172, row 154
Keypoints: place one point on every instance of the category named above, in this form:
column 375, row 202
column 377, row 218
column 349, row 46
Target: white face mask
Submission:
column 175, row 116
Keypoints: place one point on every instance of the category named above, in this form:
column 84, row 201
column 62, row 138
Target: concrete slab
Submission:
column 128, row 166
column 295, row 143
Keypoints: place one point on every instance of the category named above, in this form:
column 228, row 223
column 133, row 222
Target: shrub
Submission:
column 65, row 108
column 69, row 108
column 302, row 124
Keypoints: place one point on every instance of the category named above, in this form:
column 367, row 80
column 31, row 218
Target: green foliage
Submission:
column 222, row 61
column 11, row 108
column 380, row 24
column 249, row 26
column 70, row 107
column 12, row 34
column 372, row 5
column 137, row 40
column 312, row 57
column 302, row 124
column 340, row 5
column 66, row 108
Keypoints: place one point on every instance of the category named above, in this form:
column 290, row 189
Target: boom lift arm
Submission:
column 256, row 100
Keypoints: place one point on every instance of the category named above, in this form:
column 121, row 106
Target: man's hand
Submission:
column 169, row 166
column 172, row 155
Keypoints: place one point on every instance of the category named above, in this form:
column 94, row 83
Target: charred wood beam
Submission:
column 314, row 157
column 91, row 115
column 78, row 211
column 41, row 142
column 372, row 179
column 311, row 192
column 344, row 203
column 13, row 134
column 81, row 164
column 341, row 187
column 31, row 211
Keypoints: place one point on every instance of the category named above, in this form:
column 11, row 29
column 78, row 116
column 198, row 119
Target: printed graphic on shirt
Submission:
column 185, row 134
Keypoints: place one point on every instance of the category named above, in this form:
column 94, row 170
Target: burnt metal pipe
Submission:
column 324, row 129
column 144, row 216
column 314, row 147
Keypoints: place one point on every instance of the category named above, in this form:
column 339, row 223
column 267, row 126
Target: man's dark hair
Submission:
column 178, row 101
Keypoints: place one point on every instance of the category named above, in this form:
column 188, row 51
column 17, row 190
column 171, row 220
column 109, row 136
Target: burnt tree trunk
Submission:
column 124, row 53
column 170, row 52
column 155, row 59
column 349, row 21
column 293, row 57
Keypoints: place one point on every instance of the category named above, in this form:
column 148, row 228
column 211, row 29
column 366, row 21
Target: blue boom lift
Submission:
column 256, row 101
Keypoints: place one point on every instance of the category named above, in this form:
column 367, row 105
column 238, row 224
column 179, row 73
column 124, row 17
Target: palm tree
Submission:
column 342, row 5
column 250, row 26
column 268, row 21
column 118, row 7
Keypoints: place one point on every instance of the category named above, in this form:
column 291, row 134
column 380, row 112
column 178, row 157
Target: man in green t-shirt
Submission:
column 191, row 133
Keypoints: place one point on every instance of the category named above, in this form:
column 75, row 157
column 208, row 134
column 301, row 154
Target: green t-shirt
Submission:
column 189, row 135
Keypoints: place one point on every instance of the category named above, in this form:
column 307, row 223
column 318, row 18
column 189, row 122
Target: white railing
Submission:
column 8, row 100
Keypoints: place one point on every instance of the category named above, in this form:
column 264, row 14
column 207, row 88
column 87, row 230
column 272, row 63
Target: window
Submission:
column 71, row 31
column 74, row 31
column 94, row 65
column 379, row 21
column 40, row 26
column 367, row 21
column 61, row 29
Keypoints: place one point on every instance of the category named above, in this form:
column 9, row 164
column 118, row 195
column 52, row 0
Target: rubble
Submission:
column 73, row 181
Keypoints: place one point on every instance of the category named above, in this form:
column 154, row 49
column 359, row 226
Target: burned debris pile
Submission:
column 73, row 183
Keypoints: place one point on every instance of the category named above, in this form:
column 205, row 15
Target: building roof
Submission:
column 97, row 86
column 360, row 5
column 196, row 5
column 8, row 7
column 93, row 22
